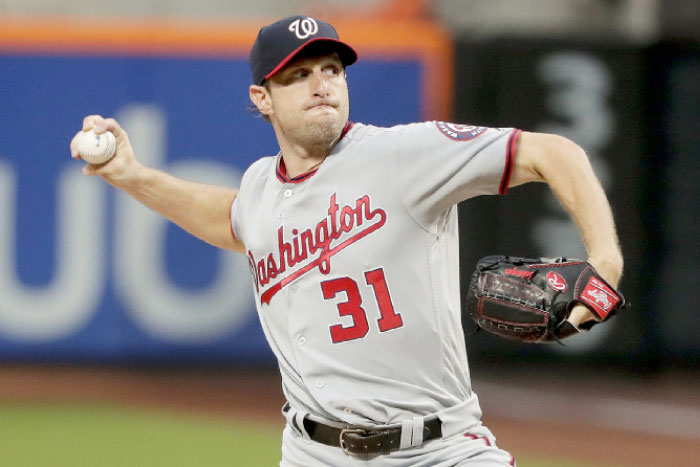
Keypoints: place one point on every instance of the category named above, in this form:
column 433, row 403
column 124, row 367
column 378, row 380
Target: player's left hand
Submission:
column 541, row 299
column 611, row 271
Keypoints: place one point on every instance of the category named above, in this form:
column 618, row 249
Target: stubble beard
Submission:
column 317, row 135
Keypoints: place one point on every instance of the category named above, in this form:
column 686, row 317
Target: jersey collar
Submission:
column 281, row 170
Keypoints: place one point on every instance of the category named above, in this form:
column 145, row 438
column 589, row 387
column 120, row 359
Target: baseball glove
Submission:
column 530, row 299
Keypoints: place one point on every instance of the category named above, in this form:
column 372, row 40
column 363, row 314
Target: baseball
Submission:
column 96, row 148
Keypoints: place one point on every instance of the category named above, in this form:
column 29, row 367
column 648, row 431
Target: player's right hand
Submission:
column 123, row 168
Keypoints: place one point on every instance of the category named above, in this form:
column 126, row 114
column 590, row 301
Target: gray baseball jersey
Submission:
column 355, row 269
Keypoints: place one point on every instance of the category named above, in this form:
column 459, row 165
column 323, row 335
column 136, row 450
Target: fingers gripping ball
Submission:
column 96, row 148
column 529, row 299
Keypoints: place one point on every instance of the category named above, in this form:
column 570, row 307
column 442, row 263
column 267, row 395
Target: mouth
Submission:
column 322, row 106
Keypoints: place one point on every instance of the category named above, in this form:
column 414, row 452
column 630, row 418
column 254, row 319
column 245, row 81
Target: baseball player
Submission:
column 350, row 232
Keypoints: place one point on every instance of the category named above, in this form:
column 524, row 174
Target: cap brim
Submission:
column 347, row 54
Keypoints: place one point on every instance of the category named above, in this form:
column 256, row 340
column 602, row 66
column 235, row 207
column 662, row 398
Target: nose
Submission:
column 320, row 84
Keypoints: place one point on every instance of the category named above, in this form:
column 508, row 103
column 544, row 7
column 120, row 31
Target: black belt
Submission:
column 367, row 443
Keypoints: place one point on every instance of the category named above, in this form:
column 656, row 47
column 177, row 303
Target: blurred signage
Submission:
column 86, row 273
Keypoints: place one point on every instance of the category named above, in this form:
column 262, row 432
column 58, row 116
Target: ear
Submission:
column 260, row 97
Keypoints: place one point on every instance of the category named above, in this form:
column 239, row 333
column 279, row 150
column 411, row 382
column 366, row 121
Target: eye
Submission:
column 332, row 70
column 298, row 74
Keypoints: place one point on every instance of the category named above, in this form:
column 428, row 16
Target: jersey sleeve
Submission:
column 441, row 164
column 233, row 217
column 240, row 209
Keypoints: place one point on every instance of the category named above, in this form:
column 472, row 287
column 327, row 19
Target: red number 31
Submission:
column 353, row 306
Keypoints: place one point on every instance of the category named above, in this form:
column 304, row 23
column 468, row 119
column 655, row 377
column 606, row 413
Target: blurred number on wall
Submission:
column 590, row 94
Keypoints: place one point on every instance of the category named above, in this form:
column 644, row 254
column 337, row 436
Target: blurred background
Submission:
column 103, row 301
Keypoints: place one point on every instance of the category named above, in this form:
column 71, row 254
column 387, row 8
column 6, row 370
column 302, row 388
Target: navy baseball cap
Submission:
column 278, row 43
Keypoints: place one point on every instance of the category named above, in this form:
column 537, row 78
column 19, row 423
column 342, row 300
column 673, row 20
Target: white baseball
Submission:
column 96, row 148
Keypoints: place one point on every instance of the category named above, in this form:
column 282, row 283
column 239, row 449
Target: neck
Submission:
column 301, row 157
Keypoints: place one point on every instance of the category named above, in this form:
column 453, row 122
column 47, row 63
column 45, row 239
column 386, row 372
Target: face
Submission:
column 307, row 101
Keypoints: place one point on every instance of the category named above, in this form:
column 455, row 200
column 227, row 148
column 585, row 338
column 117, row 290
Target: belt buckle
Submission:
column 350, row 431
column 365, row 448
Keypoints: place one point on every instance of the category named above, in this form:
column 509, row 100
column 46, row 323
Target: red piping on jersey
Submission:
column 282, row 173
column 510, row 159
column 488, row 443
column 475, row 437
column 281, row 169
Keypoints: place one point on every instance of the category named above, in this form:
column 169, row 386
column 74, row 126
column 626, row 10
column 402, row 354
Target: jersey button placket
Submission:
column 287, row 193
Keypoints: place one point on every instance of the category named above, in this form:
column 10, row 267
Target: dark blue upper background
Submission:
column 43, row 100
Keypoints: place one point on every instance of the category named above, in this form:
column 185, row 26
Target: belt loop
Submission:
column 289, row 413
column 299, row 422
column 417, row 438
column 406, row 434
column 295, row 419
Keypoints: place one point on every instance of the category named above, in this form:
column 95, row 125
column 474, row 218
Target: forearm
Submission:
column 200, row 209
column 577, row 188
column 564, row 166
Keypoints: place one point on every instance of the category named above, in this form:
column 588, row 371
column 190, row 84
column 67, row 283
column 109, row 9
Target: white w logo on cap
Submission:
column 304, row 28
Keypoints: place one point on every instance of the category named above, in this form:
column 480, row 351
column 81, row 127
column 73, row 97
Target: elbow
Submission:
column 542, row 156
column 561, row 157
column 563, row 149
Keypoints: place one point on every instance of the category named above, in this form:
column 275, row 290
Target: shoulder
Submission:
column 260, row 167
column 257, row 173
column 423, row 137
column 425, row 129
column 362, row 132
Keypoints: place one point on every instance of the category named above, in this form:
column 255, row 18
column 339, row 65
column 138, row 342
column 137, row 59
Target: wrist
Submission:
column 133, row 178
column 608, row 266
